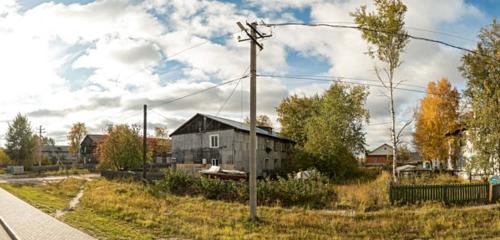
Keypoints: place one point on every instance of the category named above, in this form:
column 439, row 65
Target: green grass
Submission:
column 126, row 210
column 47, row 197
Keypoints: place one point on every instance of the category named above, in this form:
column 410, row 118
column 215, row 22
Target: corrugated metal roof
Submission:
column 238, row 125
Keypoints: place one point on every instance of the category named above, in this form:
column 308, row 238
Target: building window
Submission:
column 276, row 163
column 215, row 162
column 214, row 141
column 266, row 164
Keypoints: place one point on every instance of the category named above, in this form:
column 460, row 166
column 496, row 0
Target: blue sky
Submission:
column 99, row 61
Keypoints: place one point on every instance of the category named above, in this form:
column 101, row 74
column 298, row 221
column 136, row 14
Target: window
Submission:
column 266, row 164
column 214, row 141
column 215, row 162
column 276, row 163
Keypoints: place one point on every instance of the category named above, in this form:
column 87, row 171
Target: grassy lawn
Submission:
column 126, row 210
column 47, row 197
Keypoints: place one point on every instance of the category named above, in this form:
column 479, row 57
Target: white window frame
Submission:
column 215, row 162
column 211, row 143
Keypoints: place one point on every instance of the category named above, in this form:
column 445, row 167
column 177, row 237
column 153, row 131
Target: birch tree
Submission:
column 384, row 30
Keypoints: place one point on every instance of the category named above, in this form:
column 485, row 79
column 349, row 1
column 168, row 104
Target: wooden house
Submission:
column 205, row 140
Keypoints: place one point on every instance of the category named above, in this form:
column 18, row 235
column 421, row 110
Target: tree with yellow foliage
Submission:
column 437, row 115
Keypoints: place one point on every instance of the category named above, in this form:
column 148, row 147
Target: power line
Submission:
column 412, row 28
column 340, row 81
column 204, row 90
column 352, row 78
column 373, row 30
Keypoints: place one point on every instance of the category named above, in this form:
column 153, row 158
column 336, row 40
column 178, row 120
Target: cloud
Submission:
column 124, row 46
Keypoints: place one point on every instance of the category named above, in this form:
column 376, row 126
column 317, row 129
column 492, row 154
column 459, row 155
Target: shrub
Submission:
column 220, row 189
column 176, row 182
column 433, row 179
column 315, row 192
column 311, row 193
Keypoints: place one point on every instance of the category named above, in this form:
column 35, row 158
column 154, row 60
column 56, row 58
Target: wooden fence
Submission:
column 446, row 193
column 495, row 191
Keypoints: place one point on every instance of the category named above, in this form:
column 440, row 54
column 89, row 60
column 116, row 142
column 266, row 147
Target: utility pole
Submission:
column 40, row 145
column 144, row 141
column 253, row 36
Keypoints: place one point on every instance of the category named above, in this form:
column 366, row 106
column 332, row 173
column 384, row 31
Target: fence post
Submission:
column 490, row 193
column 445, row 193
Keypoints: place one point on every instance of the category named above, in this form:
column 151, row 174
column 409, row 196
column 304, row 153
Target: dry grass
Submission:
column 366, row 195
column 124, row 210
column 127, row 210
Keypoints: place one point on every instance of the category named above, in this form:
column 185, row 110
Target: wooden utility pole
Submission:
column 40, row 145
column 144, row 141
column 254, row 35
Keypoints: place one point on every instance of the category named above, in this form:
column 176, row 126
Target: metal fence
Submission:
column 446, row 193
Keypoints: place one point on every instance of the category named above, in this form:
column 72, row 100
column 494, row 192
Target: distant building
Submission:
column 88, row 147
column 55, row 153
column 380, row 156
column 205, row 140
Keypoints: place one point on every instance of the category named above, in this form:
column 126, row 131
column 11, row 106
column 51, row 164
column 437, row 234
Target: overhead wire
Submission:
column 374, row 30
column 408, row 27
column 341, row 81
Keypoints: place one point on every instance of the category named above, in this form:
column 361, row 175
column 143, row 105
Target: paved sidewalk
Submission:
column 29, row 223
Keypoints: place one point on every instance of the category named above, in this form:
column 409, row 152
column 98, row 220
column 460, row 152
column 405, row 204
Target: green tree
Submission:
column 384, row 30
column 4, row 158
column 20, row 141
column 122, row 148
column 293, row 114
column 75, row 137
column 482, row 70
column 335, row 134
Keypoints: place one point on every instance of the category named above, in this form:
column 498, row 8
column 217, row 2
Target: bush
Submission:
column 176, row 182
column 315, row 192
column 433, row 179
column 311, row 193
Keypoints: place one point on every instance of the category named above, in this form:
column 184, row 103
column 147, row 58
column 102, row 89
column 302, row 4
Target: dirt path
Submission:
column 7, row 179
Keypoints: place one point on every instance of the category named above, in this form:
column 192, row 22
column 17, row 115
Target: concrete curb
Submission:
column 9, row 231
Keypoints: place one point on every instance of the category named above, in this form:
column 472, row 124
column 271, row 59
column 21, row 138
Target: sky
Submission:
column 99, row 61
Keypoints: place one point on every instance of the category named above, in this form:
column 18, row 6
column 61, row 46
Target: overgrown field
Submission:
column 128, row 210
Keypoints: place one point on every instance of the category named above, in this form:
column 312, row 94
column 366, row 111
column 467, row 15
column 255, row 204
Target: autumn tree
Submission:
column 293, row 114
column 122, row 148
column 438, row 115
column 335, row 134
column 20, row 141
column 385, row 31
column 4, row 158
column 160, row 144
column 75, row 137
column 482, row 71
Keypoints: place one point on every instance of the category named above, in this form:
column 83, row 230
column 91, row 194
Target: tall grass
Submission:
column 364, row 196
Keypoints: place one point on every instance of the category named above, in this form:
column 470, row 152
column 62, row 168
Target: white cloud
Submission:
column 123, row 43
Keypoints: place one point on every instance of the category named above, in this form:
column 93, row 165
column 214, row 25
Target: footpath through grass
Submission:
column 127, row 210
column 48, row 197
